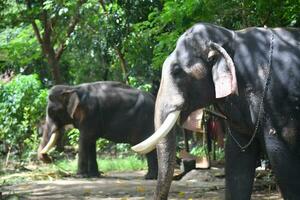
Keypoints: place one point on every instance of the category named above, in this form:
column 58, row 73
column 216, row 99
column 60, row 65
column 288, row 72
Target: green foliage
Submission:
column 101, row 33
column 51, row 24
column 20, row 50
column 144, row 36
column 134, row 82
column 167, row 24
column 66, row 165
column 220, row 154
column 129, row 163
column 201, row 151
column 67, row 168
column 22, row 106
column 73, row 138
column 144, row 32
column 101, row 144
column 115, row 24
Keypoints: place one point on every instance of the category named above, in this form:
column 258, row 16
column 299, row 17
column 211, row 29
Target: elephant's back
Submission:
column 258, row 50
column 127, row 112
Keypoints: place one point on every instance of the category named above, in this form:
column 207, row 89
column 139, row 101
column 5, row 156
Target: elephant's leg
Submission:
column 152, row 165
column 83, row 156
column 92, row 160
column 166, row 150
column 286, row 166
column 240, row 167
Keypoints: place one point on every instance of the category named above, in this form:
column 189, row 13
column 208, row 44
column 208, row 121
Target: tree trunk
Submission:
column 104, row 64
column 53, row 56
column 119, row 53
column 123, row 64
column 53, row 63
column 56, row 72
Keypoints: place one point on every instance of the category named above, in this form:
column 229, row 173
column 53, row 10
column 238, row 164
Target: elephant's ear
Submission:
column 223, row 72
column 72, row 103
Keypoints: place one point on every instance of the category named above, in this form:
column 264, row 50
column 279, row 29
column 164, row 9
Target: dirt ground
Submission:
column 197, row 184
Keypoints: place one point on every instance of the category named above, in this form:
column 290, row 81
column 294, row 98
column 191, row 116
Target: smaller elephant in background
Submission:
column 106, row 109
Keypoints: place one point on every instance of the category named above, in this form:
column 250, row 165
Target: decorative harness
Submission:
column 262, row 98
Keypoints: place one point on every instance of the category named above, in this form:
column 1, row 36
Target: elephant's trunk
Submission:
column 43, row 156
column 51, row 143
column 166, row 151
column 166, row 163
column 49, row 139
column 166, row 115
column 167, row 110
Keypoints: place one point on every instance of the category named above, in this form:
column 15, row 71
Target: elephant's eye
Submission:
column 212, row 59
column 177, row 70
column 51, row 97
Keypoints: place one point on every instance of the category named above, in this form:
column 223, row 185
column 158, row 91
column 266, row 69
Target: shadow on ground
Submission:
column 197, row 184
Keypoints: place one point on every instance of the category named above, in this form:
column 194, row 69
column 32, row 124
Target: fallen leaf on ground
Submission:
column 140, row 189
column 87, row 192
column 181, row 194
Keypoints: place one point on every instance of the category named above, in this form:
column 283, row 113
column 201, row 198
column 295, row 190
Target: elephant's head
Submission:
column 63, row 102
column 197, row 73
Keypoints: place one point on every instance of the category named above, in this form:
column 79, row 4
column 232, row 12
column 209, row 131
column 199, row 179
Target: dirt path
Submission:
column 197, row 184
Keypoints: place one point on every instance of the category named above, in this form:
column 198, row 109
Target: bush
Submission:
column 73, row 137
column 22, row 106
column 201, row 151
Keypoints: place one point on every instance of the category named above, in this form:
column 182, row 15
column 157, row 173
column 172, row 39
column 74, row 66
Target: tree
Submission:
column 19, row 49
column 167, row 24
column 111, row 48
column 128, row 40
column 52, row 21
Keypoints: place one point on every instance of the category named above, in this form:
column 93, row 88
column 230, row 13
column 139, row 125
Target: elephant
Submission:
column 252, row 76
column 106, row 109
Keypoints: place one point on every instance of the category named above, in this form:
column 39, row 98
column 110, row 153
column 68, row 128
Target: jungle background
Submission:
column 48, row 42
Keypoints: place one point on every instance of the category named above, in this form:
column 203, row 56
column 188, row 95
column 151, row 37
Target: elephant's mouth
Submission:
column 190, row 118
column 150, row 143
column 184, row 115
column 50, row 137
column 51, row 143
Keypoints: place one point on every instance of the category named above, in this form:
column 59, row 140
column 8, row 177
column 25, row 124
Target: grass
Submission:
column 130, row 163
column 66, row 168
column 31, row 173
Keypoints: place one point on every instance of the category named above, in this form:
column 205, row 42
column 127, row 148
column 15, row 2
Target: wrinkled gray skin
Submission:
column 108, row 110
column 189, row 81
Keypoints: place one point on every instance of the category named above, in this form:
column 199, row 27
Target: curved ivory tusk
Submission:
column 50, row 144
column 149, row 144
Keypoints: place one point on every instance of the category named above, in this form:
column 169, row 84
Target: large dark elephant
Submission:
column 108, row 110
column 253, row 77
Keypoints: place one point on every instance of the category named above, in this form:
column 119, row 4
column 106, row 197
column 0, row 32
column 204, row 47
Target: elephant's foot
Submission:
column 151, row 176
column 88, row 175
column 95, row 174
column 81, row 175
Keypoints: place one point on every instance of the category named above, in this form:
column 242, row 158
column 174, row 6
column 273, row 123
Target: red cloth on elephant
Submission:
column 215, row 131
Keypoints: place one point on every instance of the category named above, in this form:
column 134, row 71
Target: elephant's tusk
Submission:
column 50, row 144
column 150, row 143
